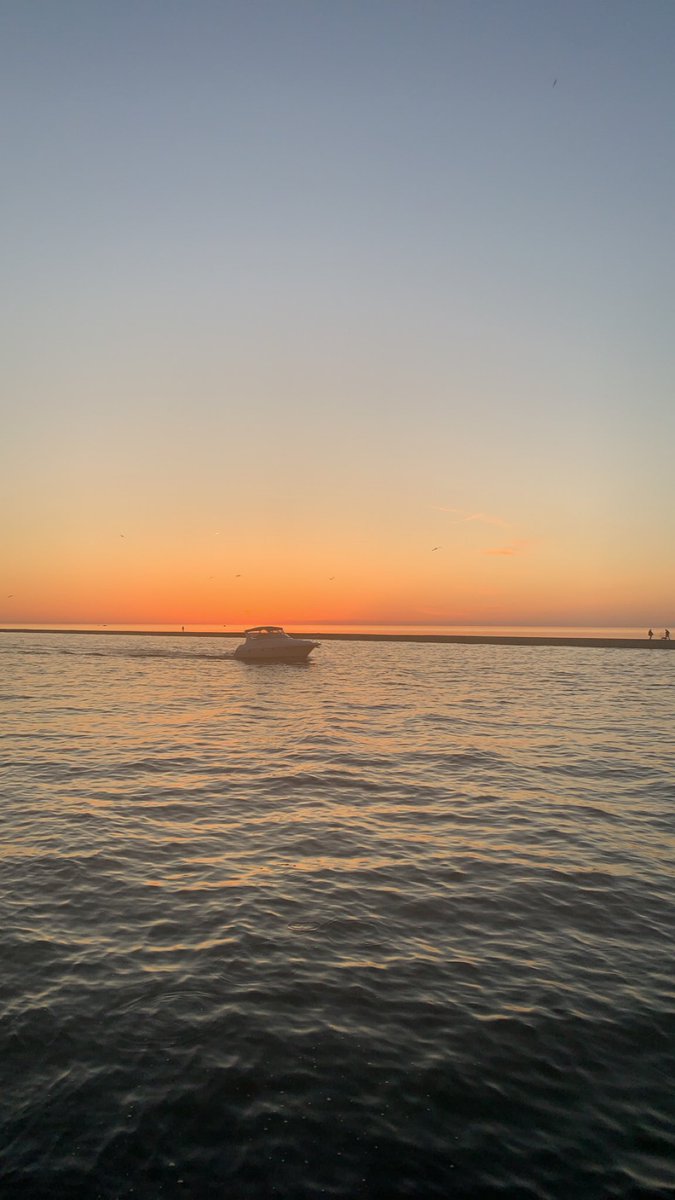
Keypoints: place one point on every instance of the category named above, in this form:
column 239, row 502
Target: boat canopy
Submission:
column 263, row 630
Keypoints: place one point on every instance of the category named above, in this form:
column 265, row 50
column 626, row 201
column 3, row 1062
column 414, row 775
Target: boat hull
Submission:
column 281, row 650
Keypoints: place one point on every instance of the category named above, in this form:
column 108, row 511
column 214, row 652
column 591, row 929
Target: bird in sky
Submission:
column 436, row 548
column 554, row 82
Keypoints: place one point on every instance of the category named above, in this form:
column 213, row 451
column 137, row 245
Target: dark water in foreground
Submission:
column 398, row 923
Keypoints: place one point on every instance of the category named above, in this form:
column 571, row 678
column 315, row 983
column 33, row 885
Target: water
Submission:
column 395, row 923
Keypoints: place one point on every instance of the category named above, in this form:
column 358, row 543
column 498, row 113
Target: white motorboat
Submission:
column 269, row 643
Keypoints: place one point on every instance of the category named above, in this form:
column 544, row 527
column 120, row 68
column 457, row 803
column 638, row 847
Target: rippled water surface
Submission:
column 396, row 923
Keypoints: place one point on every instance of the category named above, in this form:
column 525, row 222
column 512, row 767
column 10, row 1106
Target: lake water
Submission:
column 395, row 923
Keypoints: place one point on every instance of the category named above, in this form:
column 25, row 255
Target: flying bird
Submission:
column 554, row 82
column 436, row 548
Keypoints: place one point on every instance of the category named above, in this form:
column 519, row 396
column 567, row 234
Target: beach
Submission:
column 482, row 639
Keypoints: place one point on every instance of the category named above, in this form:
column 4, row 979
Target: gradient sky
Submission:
column 294, row 292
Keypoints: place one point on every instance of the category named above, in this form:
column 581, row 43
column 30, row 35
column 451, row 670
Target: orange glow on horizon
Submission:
column 315, row 572
column 497, row 590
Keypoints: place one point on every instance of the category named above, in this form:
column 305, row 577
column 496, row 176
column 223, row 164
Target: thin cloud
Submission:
column 487, row 519
column 463, row 515
column 507, row 551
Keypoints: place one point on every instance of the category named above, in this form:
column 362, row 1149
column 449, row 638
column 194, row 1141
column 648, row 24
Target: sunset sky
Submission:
column 295, row 292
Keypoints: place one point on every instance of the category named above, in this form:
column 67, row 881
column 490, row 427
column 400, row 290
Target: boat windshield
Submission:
column 264, row 631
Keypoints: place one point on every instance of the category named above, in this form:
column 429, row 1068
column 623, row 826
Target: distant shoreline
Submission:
column 468, row 639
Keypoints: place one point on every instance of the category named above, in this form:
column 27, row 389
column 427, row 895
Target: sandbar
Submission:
column 463, row 639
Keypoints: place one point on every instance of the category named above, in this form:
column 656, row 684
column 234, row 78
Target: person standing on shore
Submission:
column 666, row 636
column 650, row 634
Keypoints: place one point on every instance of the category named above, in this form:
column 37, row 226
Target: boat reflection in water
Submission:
column 269, row 643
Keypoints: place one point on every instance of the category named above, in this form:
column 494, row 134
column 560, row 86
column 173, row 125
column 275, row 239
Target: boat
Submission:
column 269, row 643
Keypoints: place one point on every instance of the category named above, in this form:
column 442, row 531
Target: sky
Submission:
column 325, row 310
